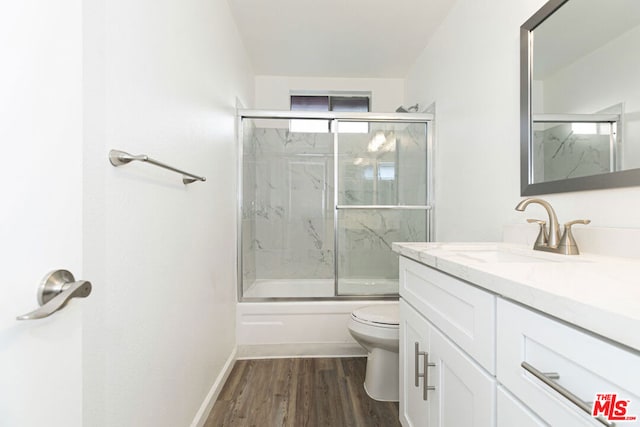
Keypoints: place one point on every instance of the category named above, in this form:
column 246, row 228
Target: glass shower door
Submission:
column 381, row 198
column 287, row 225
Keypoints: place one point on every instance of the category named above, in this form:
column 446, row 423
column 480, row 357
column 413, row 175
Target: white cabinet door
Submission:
column 41, row 209
column 465, row 394
column 414, row 409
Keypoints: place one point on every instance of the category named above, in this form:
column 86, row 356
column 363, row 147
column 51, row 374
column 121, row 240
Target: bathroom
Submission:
column 153, row 343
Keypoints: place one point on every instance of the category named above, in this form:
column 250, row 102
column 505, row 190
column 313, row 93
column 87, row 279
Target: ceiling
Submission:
column 337, row 38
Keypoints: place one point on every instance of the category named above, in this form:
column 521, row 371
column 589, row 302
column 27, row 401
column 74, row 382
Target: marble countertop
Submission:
column 600, row 294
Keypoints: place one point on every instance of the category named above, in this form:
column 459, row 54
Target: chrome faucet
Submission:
column 551, row 241
column 554, row 232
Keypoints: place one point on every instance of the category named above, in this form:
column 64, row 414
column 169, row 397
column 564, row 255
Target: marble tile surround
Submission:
column 366, row 238
column 292, row 205
column 288, row 212
column 408, row 162
column 560, row 153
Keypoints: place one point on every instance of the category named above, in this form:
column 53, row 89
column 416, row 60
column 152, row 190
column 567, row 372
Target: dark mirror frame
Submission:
column 625, row 178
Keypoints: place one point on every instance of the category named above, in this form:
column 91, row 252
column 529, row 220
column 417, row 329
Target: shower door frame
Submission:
column 334, row 118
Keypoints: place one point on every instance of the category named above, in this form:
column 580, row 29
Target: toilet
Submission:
column 375, row 327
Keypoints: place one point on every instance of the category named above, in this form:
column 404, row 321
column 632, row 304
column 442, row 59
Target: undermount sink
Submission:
column 496, row 255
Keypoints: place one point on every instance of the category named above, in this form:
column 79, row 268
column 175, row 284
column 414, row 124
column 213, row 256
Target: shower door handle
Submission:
column 55, row 290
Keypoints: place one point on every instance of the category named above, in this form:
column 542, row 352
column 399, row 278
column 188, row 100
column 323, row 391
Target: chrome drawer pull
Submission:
column 425, row 373
column 563, row 391
column 552, row 375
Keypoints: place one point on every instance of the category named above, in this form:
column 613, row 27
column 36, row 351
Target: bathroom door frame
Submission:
column 334, row 118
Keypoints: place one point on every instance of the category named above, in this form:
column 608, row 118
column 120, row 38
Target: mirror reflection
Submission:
column 585, row 90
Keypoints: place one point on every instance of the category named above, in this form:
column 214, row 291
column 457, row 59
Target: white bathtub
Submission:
column 311, row 288
column 297, row 329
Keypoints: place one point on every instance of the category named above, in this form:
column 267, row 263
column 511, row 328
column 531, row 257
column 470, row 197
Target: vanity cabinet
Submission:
column 499, row 363
column 463, row 391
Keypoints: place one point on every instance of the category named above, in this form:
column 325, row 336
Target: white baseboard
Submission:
column 212, row 396
column 273, row 351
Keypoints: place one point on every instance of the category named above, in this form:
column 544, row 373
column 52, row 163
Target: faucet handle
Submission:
column 543, row 236
column 568, row 245
column 537, row 221
column 577, row 221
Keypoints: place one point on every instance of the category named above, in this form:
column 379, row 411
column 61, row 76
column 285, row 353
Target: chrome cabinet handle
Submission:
column 55, row 290
column 546, row 378
column 416, row 359
column 425, row 368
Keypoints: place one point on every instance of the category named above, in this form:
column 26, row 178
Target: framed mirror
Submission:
column 580, row 96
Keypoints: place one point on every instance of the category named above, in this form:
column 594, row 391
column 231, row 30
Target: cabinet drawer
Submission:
column 463, row 312
column 576, row 361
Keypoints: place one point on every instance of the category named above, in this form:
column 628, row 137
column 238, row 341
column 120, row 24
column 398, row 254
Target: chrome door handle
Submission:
column 55, row 290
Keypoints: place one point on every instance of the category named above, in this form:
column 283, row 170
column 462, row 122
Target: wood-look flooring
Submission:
column 299, row 393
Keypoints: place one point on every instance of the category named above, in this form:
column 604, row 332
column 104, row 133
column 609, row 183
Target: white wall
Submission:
column 272, row 92
column 161, row 78
column 599, row 80
column 470, row 69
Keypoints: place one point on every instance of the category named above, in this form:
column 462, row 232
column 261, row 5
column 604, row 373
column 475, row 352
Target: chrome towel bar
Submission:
column 119, row 158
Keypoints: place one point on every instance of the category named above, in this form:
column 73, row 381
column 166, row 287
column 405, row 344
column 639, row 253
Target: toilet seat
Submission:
column 381, row 316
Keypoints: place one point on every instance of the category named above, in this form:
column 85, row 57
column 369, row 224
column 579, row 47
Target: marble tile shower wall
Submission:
column 292, row 207
column 365, row 242
column 288, row 213
column 561, row 153
column 406, row 165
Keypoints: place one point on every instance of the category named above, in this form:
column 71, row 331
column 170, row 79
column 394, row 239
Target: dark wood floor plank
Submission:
column 299, row 393
column 305, row 410
column 323, row 393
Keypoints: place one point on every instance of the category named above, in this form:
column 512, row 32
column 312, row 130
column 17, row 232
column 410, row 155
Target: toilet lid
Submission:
column 385, row 314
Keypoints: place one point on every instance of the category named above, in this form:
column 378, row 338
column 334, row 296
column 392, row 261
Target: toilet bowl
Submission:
column 375, row 328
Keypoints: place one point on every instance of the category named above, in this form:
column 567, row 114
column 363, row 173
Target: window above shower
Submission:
column 344, row 102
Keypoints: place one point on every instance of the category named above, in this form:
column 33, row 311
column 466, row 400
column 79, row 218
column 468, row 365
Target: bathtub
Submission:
column 303, row 328
column 318, row 288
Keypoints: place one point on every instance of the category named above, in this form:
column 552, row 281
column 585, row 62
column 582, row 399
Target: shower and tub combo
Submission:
column 321, row 198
